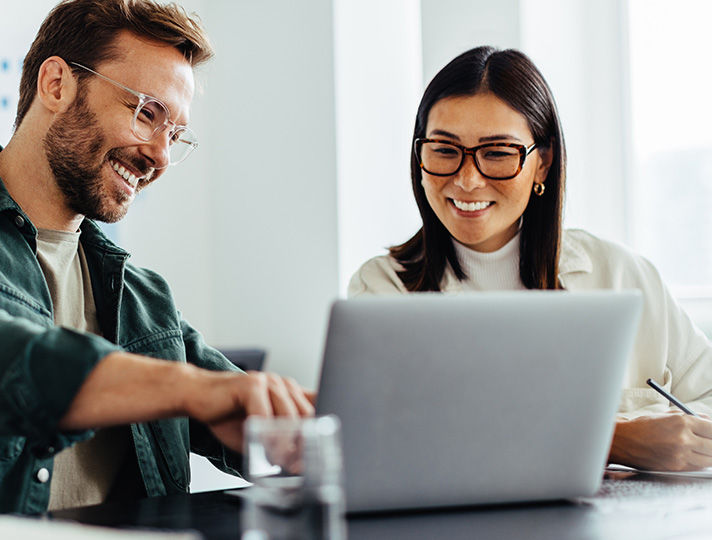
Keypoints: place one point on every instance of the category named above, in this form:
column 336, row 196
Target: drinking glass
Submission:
column 296, row 469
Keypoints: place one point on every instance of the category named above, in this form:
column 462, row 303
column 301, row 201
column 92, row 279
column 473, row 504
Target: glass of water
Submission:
column 296, row 469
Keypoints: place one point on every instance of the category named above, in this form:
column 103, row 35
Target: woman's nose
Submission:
column 469, row 177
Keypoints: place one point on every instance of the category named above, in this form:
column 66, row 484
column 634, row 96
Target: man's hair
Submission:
column 83, row 31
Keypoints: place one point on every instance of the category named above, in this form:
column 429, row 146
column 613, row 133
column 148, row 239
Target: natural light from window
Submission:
column 671, row 132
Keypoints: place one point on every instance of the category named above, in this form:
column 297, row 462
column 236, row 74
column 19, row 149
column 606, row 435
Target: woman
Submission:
column 488, row 169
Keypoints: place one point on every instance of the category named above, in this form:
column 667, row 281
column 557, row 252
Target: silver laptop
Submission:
column 476, row 398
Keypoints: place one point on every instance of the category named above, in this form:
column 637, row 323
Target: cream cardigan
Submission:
column 669, row 347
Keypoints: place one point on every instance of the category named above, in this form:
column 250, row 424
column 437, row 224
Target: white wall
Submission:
column 451, row 27
column 378, row 68
column 18, row 25
column 246, row 229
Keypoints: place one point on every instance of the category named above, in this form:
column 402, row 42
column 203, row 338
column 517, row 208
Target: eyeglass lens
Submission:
column 151, row 119
column 492, row 161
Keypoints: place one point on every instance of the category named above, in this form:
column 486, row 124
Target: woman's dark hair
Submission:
column 512, row 77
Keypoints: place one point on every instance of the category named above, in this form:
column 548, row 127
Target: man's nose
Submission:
column 157, row 150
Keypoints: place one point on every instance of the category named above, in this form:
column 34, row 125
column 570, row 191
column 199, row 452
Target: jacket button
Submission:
column 19, row 221
column 42, row 475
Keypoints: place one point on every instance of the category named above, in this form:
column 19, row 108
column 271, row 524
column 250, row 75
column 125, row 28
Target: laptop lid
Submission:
column 476, row 398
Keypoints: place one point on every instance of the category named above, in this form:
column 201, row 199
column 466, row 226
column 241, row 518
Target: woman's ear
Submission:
column 546, row 157
column 56, row 85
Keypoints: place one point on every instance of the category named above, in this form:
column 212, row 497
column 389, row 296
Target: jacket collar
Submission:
column 573, row 258
column 94, row 236
column 7, row 202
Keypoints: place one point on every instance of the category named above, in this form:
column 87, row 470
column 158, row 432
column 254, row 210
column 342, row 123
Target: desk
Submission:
column 217, row 515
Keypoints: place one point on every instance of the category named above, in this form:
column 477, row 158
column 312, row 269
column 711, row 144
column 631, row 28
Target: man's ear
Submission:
column 56, row 85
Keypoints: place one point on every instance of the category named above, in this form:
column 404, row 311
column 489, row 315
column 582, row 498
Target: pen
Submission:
column 672, row 399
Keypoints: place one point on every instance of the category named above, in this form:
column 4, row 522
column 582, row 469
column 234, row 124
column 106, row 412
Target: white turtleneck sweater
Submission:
column 495, row 271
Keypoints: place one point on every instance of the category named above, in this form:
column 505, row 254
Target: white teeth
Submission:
column 130, row 178
column 471, row 206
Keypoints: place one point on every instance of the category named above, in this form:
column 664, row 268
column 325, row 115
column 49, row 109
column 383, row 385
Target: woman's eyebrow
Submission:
column 444, row 133
column 499, row 137
column 488, row 138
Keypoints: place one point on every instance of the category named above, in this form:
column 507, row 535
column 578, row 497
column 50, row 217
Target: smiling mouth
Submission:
column 471, row 206
column 130, row 178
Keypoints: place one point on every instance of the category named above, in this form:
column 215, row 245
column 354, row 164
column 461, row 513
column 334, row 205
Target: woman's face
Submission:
column 481, row 213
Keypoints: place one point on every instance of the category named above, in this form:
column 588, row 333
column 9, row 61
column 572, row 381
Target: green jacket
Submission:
column 42, row 365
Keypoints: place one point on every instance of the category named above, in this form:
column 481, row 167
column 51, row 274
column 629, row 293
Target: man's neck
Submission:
column 30, row 182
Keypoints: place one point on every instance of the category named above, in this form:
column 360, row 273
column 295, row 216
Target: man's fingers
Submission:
column 257, row 401
column 283, row 395
column 280, row 397
column 311, row 395
column 304, row 403
column 266, row 394
column 234, row 397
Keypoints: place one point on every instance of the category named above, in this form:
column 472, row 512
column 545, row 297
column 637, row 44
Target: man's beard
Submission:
column 73, row 146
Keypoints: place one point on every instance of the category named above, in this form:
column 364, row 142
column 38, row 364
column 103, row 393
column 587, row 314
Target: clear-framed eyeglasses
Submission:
column 151, row 118
column 496, row 160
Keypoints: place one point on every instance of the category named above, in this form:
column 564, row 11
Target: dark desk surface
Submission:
column 628, row 507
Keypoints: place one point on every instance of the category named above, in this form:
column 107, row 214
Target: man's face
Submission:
column 91, row 147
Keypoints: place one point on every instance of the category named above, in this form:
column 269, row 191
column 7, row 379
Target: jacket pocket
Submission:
column 18, row 304
column 171, row 434
column 11, row 448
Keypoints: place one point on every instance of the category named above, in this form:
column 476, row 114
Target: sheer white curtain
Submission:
column 672, row 139
column 581, row 48
column 632, row 84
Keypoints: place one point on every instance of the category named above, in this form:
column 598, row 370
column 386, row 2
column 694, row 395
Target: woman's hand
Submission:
column 663, row 442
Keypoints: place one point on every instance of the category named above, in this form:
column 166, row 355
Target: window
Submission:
column 671, row 140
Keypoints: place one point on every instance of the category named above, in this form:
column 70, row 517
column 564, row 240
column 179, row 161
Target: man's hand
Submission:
column 126, row 388
column 663, row 442
column 229, row 398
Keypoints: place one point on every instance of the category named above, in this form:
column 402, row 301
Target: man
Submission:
column 98, row 372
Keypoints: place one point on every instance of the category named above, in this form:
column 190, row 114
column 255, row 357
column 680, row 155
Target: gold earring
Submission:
column 539, row 189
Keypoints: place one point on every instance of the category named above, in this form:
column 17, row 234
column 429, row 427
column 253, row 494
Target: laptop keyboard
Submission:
column 638, row 492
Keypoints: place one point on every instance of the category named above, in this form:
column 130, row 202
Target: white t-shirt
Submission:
column 84, row 473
